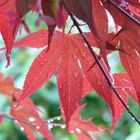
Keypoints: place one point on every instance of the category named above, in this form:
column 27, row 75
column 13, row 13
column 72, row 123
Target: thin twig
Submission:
column 48, row 121
column 112, row 2
column 99, row 64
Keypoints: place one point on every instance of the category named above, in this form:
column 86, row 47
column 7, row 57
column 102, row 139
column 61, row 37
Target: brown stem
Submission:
column 99, row 64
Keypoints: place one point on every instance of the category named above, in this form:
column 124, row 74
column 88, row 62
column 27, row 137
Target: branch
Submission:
column 99, row 64
column 124, row 12
column 49, row 122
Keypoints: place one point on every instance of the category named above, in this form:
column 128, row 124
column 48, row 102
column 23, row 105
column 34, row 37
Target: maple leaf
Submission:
column 26, row 116
column 99, row 83
column 129, row 42
column 98, row 23
column 7, row 27
column 83, row 129
column 59, row 58
column 30, row 41
column 131, row 62
column 69, row 58
column 72, row 64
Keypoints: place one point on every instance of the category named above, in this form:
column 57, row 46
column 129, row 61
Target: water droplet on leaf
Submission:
column 76, row 74
column 37, row 127
column 31, row 119
column 21, row 128
column 78, row 130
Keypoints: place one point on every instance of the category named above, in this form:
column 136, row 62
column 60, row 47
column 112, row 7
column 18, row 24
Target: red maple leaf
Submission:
column 73, row 63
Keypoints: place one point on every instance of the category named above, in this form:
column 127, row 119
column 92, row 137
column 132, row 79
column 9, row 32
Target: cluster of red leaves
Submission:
column 69, row 58
column 26, row 115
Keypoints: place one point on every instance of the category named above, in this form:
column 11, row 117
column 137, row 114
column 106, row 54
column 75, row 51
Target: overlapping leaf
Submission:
column 68, row 57
column 84, row 128
column 72, row 63
column 26, row 116
column 7, row 25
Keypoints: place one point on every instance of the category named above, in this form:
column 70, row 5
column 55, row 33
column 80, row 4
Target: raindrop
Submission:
column 16, row 103
column 133, row 56
column 84, row 54
column 48, row 121
column 58, row 118
column 63, row 126
column 51, row 120
column 131, row 67
column 16, row 121
column 37, row 127
column 41, row 56
column 131, row 14
column 21, row 128
column 99, row 82
column 50, row 126
column 76, row 74
column 42, row 63
column 31, row 119
column 123, row 89
column 71, row 131
column 133, row 119
column 60, row 86
column 128, row 107
column 78, row 130
column 79, row 63
column 52, row 66
column 74, row 55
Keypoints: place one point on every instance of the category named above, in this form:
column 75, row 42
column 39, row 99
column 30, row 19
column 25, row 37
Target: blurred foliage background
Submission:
column 47, row 98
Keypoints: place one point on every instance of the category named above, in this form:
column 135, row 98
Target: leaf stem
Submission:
column 99, row 64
